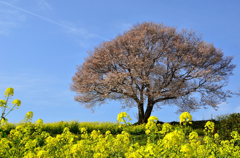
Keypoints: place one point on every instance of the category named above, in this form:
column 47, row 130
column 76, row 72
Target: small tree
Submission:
column 157, row 65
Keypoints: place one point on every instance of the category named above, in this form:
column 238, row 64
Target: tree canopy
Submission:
column 155, row 65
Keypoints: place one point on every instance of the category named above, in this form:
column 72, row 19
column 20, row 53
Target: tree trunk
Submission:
column 143, row 118
column 148, row 111
column 140, row 113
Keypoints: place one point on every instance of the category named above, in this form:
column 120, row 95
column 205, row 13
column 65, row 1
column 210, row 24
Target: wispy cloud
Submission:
column 36, row 15
column 43, row 5
column 10, row 19
column 75, row 30
column 81, row 32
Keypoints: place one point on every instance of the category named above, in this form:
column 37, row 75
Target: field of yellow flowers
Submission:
column 29, row 139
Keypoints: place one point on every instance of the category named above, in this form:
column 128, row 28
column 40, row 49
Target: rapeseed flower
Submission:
column 2, row 103
column 3, row 121
column 187, row 149
column 121, row 117
column 209, row 127
column 9, row 91
column 185, row 116
column 153, row 118
column 28, row 116
column 17, row 102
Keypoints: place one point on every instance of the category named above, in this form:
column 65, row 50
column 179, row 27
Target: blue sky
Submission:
column 42, row 42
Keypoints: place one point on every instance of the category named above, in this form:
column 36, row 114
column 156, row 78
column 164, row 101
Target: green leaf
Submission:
column 3, row 134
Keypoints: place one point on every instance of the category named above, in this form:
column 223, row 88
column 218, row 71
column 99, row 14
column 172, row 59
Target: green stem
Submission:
column 207, row 145
column 6, row 104
column 185, row 130
column 152, row 137
column 5, row 109
column 10, row 110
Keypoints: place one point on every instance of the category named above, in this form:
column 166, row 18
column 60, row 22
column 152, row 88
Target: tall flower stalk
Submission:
column 9, row 92
column 185, row 117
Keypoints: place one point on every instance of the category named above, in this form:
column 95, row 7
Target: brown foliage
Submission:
column 154, row 64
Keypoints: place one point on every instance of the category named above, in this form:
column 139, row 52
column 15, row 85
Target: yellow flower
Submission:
column 2, row 103
column 193, row 135
column 134, row 155
column 147, row 131
column 152, row 118
column 235, row 135
column 184, row 116
column 41, row 153
column 83, row 130
column 187, row 149
column 166, row 127
column 108, row 132
column 209, row 127
column 17, row 102
column 4, row 121
column 29, row 114
column 40, row 121
column 121, row 117
column 9, row 91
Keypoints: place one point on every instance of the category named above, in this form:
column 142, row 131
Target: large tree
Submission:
column 152, row 65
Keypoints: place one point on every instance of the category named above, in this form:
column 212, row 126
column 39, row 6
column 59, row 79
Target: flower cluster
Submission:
column 3, row 103
column 185, row 117
column 121, row 118
column 9, row 92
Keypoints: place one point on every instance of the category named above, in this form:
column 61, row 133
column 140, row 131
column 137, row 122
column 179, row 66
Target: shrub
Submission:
column 229, row 124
